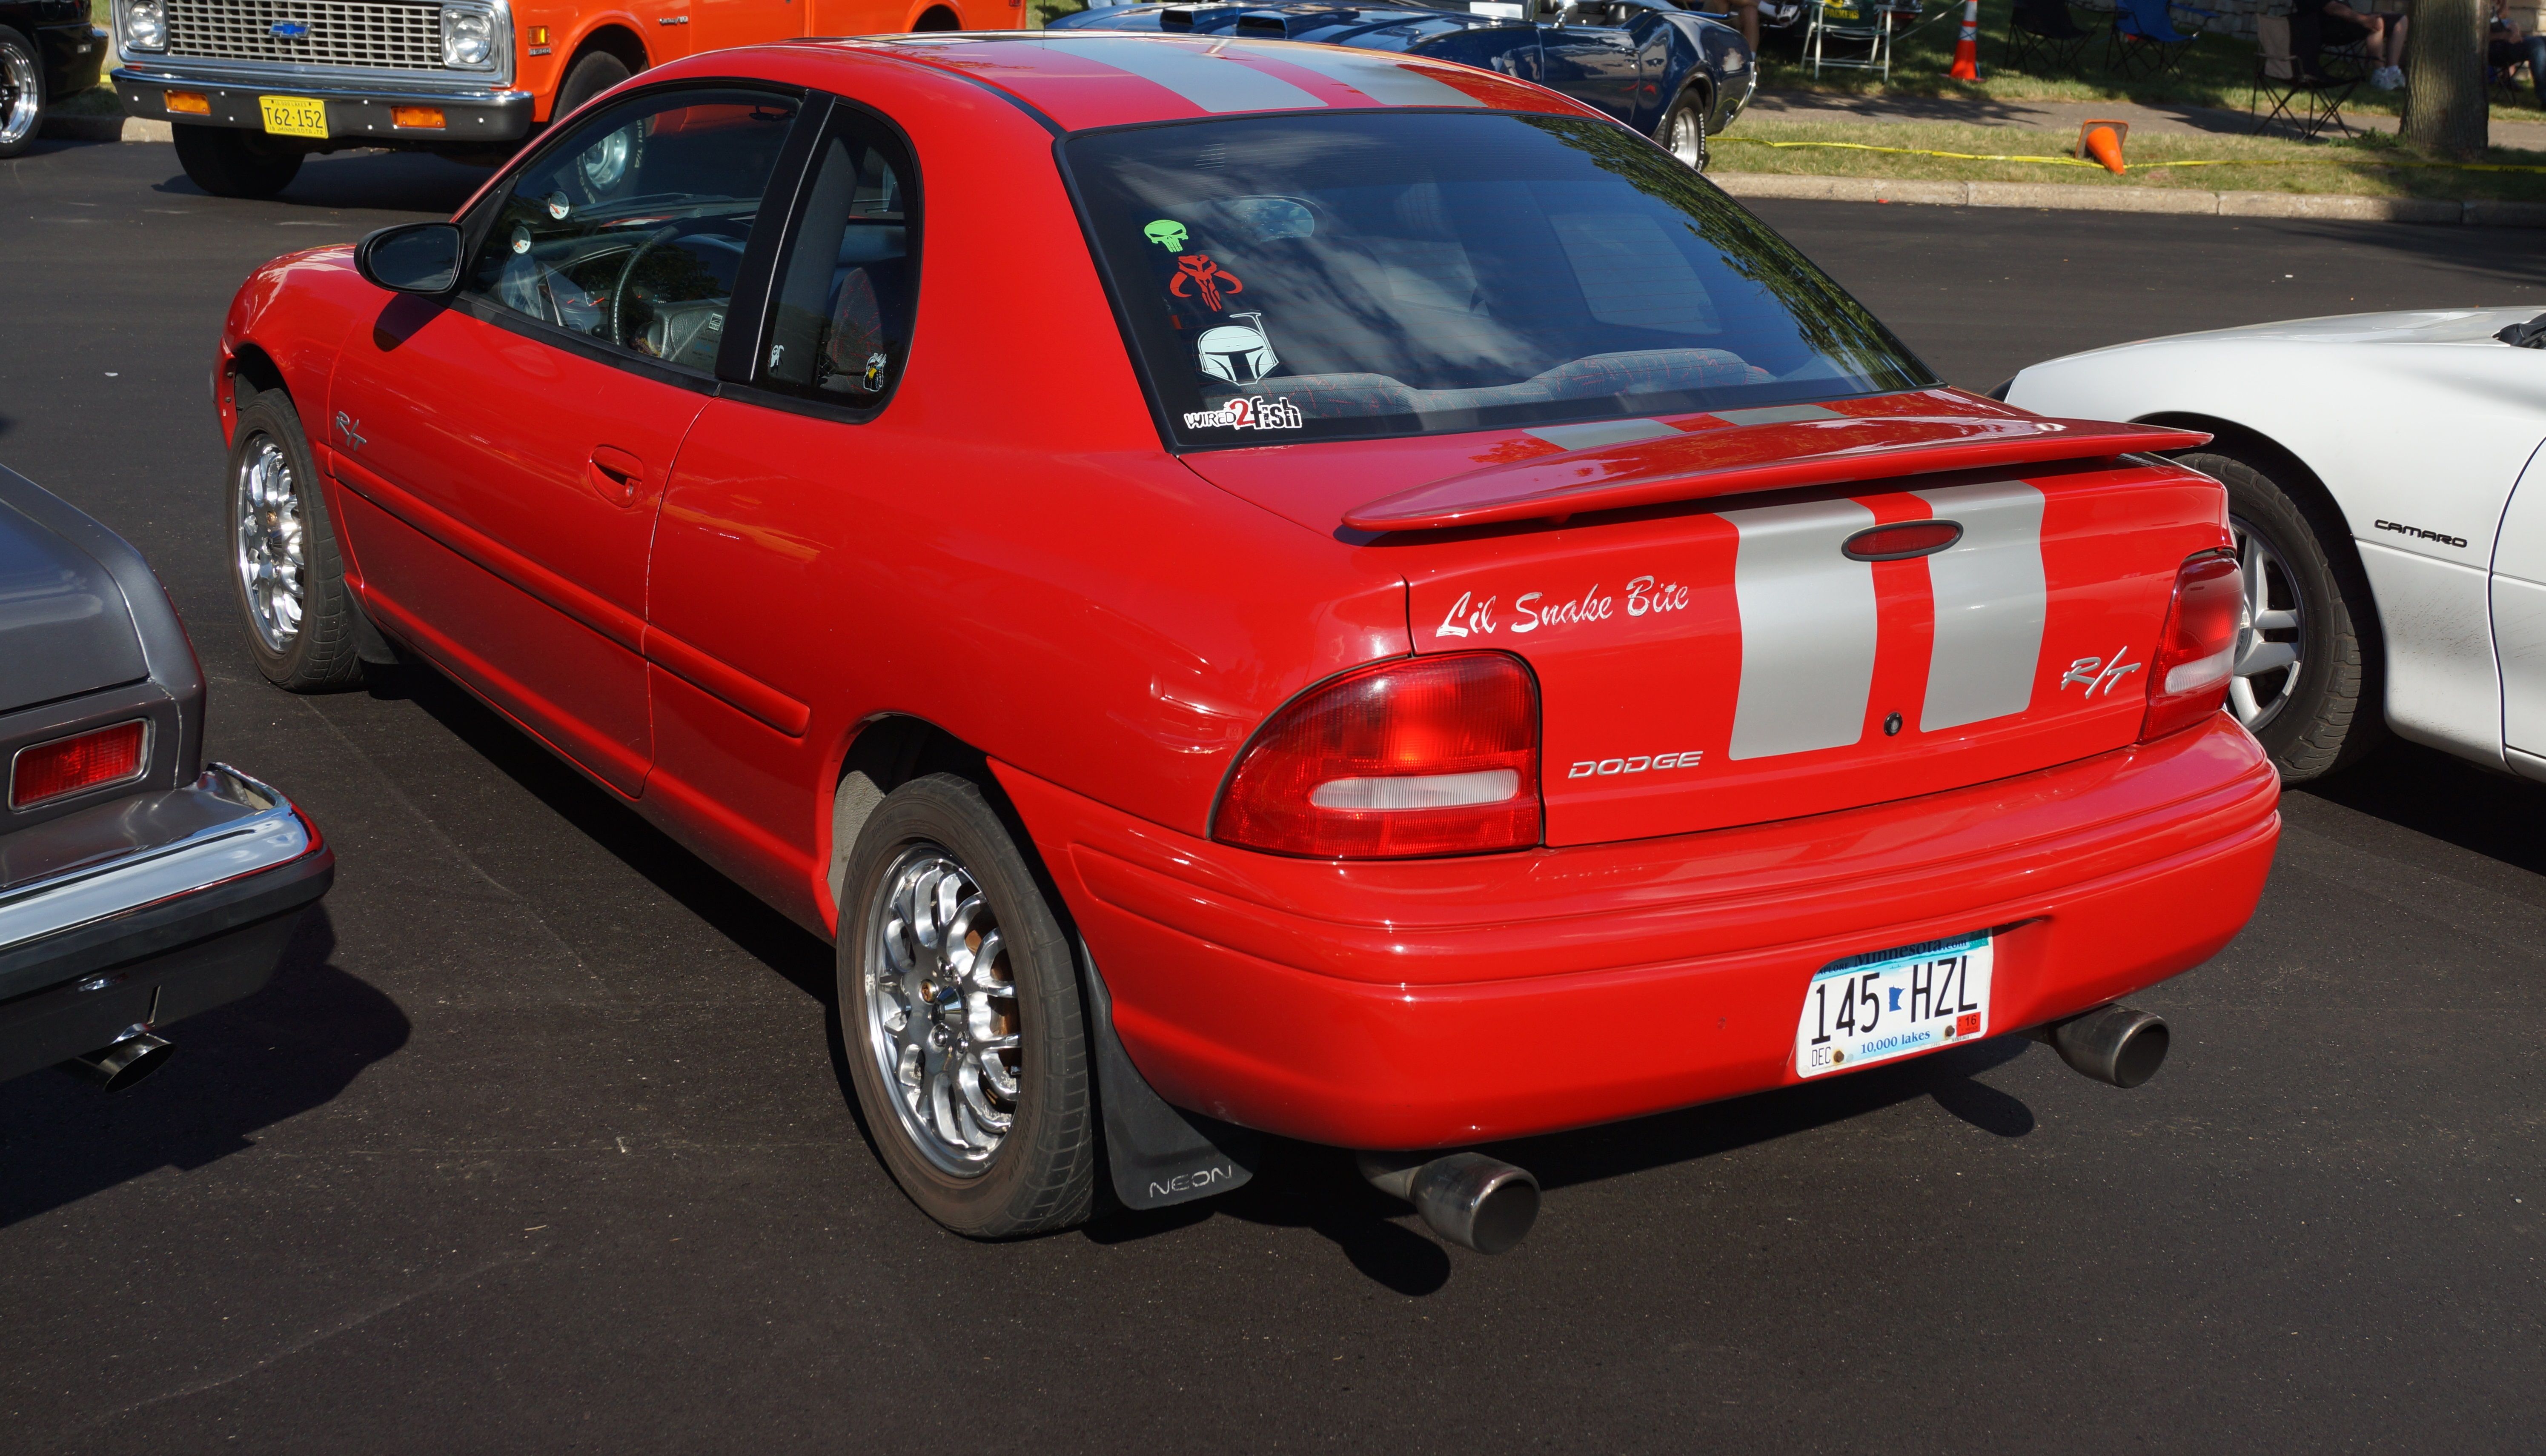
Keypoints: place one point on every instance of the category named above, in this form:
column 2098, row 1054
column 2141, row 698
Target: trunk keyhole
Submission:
column 1892, row 725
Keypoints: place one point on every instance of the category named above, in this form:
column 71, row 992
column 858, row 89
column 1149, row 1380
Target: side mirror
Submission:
column 411, row 258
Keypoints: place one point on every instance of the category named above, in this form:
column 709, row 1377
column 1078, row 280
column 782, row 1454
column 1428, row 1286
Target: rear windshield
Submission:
column 1412, row 273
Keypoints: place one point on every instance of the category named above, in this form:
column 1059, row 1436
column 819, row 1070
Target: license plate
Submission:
column 294, row 116
column 1884, row 1004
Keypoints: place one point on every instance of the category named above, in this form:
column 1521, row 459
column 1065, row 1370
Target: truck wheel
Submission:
column 1683, row 133
column 284, row 561
column 22, row 93
column 227, row 162
column 2302, row 683
column 960, row 1011
column 595, row 73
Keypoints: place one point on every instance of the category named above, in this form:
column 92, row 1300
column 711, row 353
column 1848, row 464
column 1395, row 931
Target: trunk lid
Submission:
column 1707, row 660
column 64, row 626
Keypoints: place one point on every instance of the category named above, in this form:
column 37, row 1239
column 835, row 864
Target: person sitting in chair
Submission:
column 2381, row 38
column 1748, row 12
column 2507, row 46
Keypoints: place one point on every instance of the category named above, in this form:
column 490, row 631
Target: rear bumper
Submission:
column 162, row 906
column 1429, row 1003
column 72, row 55
column 359, row 115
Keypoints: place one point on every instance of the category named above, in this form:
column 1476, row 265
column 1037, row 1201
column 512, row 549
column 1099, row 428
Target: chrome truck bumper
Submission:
column 145, row 911
column 358, row 114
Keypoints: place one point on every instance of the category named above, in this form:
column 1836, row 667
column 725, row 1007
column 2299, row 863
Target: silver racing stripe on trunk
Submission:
column 1989, row 603
column 1808, row 628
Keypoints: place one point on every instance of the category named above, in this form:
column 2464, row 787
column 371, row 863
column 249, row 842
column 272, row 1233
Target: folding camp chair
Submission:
column 2046, row 28
column 1862, row 31
column 2144, row 41
column 2309, row 103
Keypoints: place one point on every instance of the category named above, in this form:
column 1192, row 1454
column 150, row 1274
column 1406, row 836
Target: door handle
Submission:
column 615, row 475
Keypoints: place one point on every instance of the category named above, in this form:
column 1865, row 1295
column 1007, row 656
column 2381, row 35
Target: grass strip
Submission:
column 2370, row 166
column 2217, row 71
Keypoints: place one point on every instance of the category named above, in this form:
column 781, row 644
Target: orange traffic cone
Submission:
column 1967, row 47
column 2102, row 140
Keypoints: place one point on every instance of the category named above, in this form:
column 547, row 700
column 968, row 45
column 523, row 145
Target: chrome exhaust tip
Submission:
column 121, row 1065
column 2113, row 1043
column 1472, row 1200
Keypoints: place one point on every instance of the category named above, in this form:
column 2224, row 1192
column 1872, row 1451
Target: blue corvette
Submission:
column 1675, row 77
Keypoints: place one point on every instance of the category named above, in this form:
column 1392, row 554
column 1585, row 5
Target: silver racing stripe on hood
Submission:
column 1808, row 628
column 1990, row 600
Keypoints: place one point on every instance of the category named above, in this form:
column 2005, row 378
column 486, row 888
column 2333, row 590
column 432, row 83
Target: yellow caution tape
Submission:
column 2057, row 161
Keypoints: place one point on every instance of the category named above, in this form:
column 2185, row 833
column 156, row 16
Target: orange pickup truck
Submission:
column 253, row 86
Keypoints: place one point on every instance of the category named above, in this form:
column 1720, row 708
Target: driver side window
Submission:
column 631, row 232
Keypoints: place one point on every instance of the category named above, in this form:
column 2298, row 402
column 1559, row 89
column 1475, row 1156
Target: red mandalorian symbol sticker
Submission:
column 1208, row 276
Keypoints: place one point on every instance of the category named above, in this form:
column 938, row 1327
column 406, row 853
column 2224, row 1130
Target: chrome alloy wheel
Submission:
column 270, row 558
column 22, row 93
column 1686, row 139
column 2271, row 635
column 604, row 164
column 941, row 1010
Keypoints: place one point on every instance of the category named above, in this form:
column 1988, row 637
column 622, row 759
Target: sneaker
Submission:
column 2388, row 78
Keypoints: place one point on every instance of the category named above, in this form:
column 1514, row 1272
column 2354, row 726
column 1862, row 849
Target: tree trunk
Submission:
column 2445, row 107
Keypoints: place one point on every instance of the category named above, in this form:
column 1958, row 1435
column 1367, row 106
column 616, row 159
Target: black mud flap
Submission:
column 1159, row 1155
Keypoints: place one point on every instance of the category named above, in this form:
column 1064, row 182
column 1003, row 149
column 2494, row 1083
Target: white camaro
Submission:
column 2389, row 502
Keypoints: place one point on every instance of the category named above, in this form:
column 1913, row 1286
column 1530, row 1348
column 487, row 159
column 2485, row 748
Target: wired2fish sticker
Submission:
column 1237, row 352
column 1247, row 413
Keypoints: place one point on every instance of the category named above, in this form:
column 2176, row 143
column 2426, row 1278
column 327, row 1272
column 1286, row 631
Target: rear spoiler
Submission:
column 1732, row 460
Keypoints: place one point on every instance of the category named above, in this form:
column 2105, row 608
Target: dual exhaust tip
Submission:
column 1488, row 1205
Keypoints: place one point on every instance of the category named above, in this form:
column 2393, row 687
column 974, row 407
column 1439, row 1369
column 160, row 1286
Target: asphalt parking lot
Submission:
column 540, row 1139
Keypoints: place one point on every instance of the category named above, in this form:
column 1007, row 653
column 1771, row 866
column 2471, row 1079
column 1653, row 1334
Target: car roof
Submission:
column 1097, row 78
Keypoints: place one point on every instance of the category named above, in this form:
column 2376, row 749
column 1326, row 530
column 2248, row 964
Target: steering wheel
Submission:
column 636, row 256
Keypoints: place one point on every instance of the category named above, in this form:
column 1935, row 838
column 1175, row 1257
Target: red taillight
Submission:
column 65, row 766
column 2188, row 674
column 1420, row 756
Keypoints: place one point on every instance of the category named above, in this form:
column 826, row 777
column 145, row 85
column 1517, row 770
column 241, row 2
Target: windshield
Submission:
column 1407, row 273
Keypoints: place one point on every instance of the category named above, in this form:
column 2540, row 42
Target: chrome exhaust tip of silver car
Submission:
column 2112, row 1043
column 1474, row 1201
column 127, row 1062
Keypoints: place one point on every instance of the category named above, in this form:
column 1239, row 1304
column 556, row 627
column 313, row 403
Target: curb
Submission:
column 105, row 128
column 2062, row 197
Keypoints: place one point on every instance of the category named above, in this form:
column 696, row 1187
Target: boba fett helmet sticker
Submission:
column 1238, row 351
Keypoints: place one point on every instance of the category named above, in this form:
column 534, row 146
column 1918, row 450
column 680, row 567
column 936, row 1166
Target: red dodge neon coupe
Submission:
column 1255, row 588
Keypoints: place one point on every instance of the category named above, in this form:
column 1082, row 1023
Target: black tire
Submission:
column 1683, row 130
column 595, row 72
column 1042, row 1174
column 2330, row 715
column 320, row 653
column 227, row 161
column 22, row 93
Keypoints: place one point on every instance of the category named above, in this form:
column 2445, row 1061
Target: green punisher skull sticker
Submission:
column 1166, row 232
